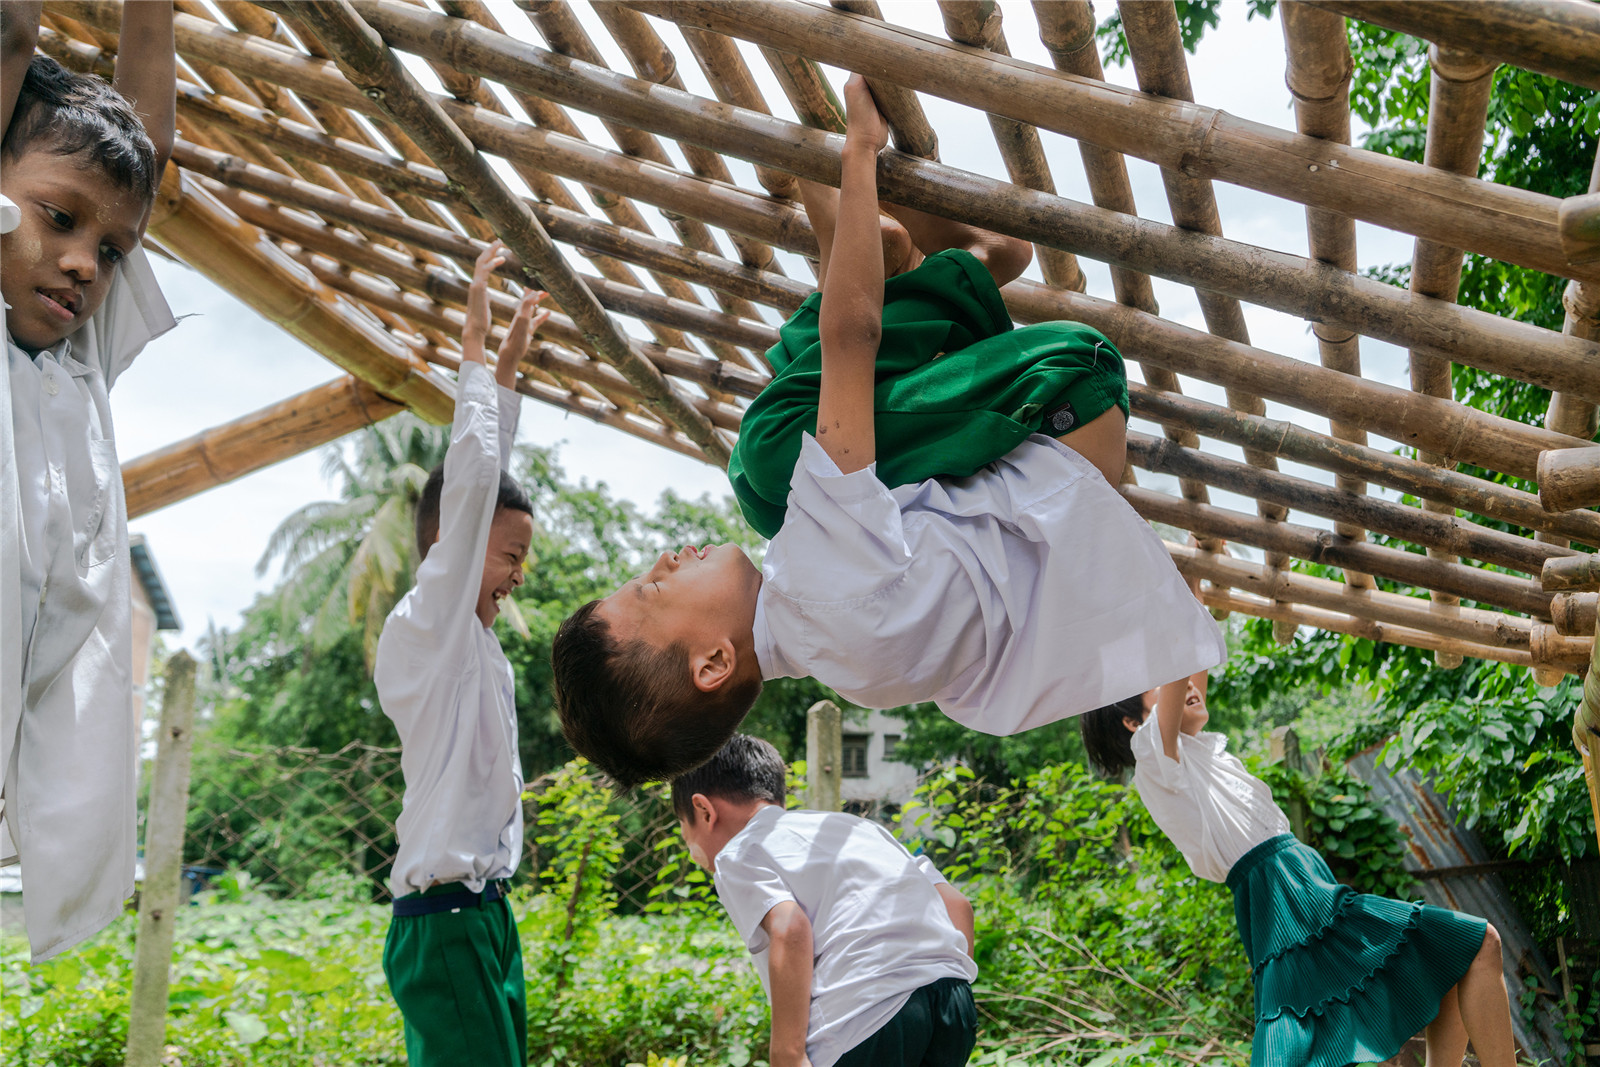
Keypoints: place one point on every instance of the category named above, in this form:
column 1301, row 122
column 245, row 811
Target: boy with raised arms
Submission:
column 452, row 957
column 1020, row 594
column 79, row 168
column 865, row 950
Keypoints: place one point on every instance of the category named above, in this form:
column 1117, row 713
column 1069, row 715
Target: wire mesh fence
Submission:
column 291, row 819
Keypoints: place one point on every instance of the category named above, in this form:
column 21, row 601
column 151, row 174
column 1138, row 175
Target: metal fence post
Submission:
column 824, row 757
column 163, row 866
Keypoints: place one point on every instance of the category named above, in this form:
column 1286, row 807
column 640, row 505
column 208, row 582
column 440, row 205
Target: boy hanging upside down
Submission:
column 997, row 572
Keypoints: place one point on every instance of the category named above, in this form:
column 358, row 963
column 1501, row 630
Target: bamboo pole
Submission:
column 232, row 253
column 729, row 77
column 1420, row 527
column 1574, row 613
column 978, row 23
column 908, row 125
column 1489, row 628
column 1318, row 76
column 245, row 445
column 388, row 82
column 1569, row 478
column 1571, row 572
column 163, row 873
column 1321, row 546
column 1287, row 283
column 1458, row 107
column 1476, row 495
column 1156, row 48
column 1583, row 573
column 1579, row 224
column 1494, row 220
column 1553, row 37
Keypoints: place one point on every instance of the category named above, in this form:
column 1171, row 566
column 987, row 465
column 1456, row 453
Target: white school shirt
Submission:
column 1025, row 593
column 879, row 929
column 443, row 679
column 68, row 739
column 1204, row 801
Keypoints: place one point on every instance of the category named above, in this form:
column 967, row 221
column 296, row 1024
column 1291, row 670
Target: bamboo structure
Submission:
column 344, row 193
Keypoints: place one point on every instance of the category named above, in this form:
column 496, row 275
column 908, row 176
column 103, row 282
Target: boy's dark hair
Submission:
column 511, row 496
column 632, row 709
column 746, row 768
column 1106, row 740
column 80, row 115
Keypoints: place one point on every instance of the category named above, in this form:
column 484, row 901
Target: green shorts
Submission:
column 457, row 977
column 937, row 1027
column 957, row 386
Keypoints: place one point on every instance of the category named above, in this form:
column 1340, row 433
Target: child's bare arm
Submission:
column 524, row 324
column 851, row 319
column 789, row 964
column 961, row 913
column 147, row 71
column 19, row 32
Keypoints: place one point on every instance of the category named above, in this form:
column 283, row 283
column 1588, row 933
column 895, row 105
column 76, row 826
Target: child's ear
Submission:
column 714, row 666
column 704, row 810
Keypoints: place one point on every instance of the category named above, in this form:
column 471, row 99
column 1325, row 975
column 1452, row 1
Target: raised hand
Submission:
column 864, row 122
column 524, row 324
column 476, row 327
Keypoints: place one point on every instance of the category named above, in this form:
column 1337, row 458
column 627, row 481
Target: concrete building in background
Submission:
column 153, row 610
column 874, row 782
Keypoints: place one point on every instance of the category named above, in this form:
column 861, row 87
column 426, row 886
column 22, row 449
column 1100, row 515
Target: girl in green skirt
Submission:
column 957, row 386
column 1340, row 977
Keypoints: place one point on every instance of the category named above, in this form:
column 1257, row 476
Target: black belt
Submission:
column 418, row 904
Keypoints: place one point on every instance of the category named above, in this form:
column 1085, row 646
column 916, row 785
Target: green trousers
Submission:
column 937, row 1027
column 957, row 386
column 457, row 976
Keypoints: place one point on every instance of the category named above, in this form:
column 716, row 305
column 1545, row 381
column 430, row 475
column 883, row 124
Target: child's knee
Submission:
column 898, row 248
column 1491, row 950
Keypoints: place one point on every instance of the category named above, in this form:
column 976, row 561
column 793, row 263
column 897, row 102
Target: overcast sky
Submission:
column 226, row 361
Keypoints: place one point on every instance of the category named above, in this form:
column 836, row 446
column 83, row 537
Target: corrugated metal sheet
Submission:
column 1436, row 842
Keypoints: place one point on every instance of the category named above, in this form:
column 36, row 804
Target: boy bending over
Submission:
column 1024, row 593
column 79, row 168
column 865, row 951
column 452, row 957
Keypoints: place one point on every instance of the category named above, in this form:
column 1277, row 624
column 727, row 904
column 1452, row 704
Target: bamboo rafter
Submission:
column 325, row 184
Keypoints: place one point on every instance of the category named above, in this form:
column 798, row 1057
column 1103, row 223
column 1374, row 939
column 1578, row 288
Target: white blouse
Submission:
column 68, row 739
column 1026, row 593
column 443, row 679
column 1204, row 801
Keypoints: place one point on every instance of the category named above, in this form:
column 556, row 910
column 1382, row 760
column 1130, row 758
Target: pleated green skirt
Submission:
column 1340, row 977
column 957, row 386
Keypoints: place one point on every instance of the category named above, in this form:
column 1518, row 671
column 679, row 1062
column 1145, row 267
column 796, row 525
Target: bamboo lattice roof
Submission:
column 320, row 183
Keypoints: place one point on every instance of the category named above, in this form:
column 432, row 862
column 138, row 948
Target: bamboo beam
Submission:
column 1583, row 573
column 1419, row 527
column 1574, row 613
column 1476, row 495
column 1412, row 419
column 1569, row 478
column 1322, row 546
column 387, row 81
column 1495, row 220
column 1489, row 628
column 248, row 444
column 729, row 77
column 1273, row 279
column 1156, row 47
column 908, row 125
column 978, row 23
column 234, row 254
column 1555, row 37
column 1318, row 76
column 1571, row 572
column 1287, row 283
column 1579, row 224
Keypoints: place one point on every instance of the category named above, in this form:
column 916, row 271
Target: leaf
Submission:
column 249, row 1028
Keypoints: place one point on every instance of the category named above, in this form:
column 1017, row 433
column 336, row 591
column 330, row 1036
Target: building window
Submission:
column 890, row 743
column 855, row 755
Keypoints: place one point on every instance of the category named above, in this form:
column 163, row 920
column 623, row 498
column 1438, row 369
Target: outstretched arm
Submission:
column 19, row 32
column 147, row 72
column 789, row 967
column 851, row 319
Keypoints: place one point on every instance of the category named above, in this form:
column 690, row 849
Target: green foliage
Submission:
column 1363, row 846
column 576, row 835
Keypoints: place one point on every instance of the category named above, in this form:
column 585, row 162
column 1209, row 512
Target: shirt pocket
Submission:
column 95, row 529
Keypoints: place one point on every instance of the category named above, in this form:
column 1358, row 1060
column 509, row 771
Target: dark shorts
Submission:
column 937, row 1027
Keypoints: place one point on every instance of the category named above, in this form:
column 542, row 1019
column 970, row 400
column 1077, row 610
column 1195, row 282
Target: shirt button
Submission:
column 50, row 385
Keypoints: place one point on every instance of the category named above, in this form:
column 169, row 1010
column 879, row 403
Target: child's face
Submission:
column 510, row 534
column 57, row 265
column 694, row 836
column 694, row 597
